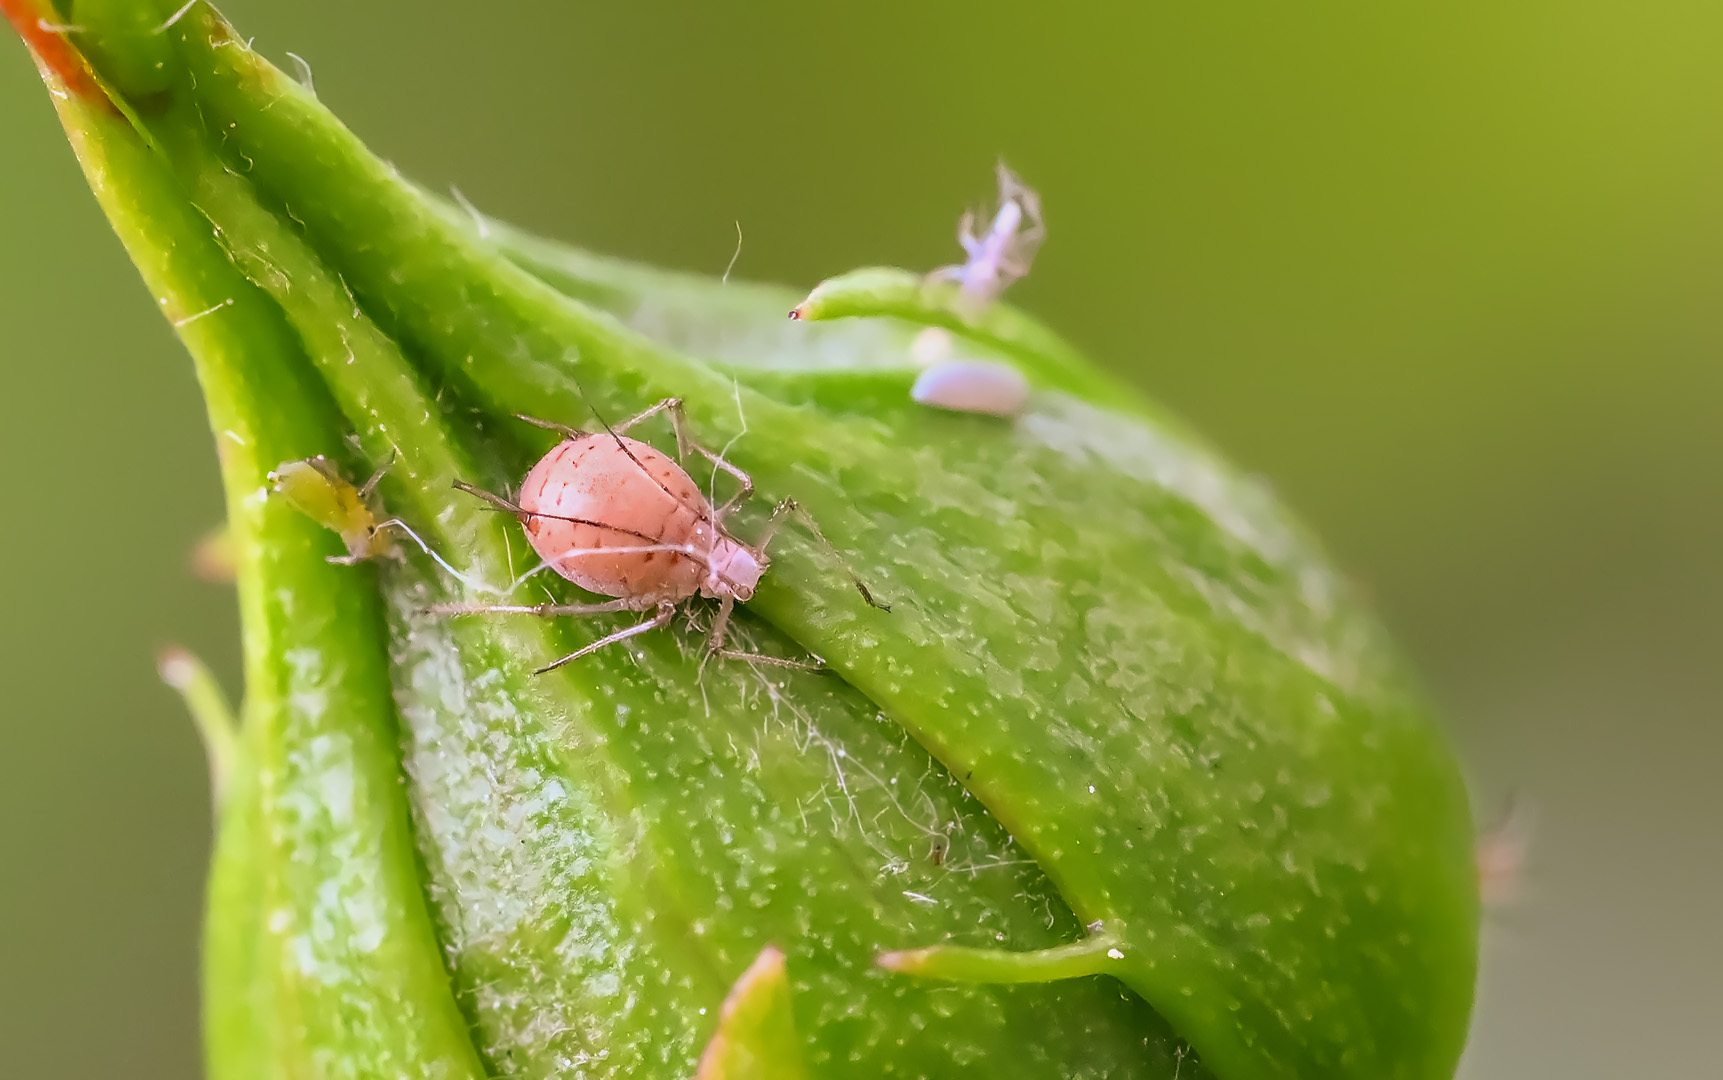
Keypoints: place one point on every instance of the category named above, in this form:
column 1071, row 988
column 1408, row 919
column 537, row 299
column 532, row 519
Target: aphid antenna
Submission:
column 768, row 660
column 508, row 506
column 671, row 403
column 666, row 611
column 688, row 550
column 325, row 468
column 685, row 442
column 742, row 417
column 496, row 501
column 966, row 238
column 1013, row 189
column 790, row 508
column 547, row 610
column 593, row 409
column 503, row 505
column 465, row 579
column 683, row 445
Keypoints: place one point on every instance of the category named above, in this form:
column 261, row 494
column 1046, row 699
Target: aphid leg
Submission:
column 775, row 661
column 324, row 467
column 966, row 234
column 721, row 627
column 674, row 405
column 971, row 245
column 564, row 430
column 371, row 485
column 721, row 624
column 1030, row 230
column 742, row 478
column 1013, row 189
column 666, row 611
column 686, row 442
column 789, row 508
column 543, row 611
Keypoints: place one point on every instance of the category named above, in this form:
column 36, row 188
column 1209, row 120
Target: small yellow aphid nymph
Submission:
column 316, row 488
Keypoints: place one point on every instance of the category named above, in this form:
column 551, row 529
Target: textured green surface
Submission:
column 756, row 1037
column 1115, row 685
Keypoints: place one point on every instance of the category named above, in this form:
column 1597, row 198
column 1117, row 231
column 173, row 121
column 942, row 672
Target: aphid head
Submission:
column 735, row 571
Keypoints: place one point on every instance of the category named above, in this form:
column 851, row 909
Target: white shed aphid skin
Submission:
column 1002, row 254
column 619, row 518
column 974, row 386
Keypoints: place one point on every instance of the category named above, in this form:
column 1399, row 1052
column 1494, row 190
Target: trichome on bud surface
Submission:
column 1180, row 793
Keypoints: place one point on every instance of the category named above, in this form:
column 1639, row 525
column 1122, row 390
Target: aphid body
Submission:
column 618, row 518
column 1004, row 252
column 316, row 488
column 621, row 519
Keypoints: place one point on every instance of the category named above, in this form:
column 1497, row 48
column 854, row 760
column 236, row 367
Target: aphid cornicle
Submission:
column 619, row 518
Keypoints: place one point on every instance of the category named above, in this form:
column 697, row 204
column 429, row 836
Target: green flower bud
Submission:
column 1123, row 784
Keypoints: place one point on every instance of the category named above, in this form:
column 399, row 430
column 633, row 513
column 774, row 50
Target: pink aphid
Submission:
column 619, row 518
column 1004, row 252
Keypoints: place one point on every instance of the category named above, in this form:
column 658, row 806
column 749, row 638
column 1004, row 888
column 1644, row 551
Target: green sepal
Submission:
column 1120, row 683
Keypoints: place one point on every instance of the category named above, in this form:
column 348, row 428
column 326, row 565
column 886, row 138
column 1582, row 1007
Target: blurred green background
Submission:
column 1449, row 276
